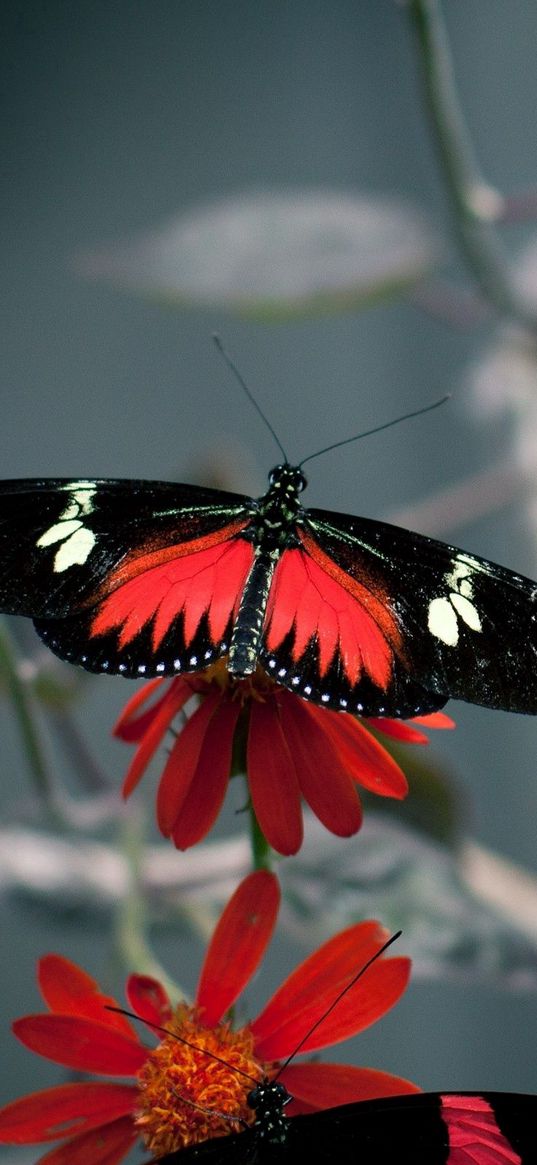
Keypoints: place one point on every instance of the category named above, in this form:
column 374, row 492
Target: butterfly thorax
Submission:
column 278, row 510
column 268, row 1100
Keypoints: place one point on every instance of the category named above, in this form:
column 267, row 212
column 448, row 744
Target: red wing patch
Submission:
column 474, row 1136
column 316, row 600
column 207, row 582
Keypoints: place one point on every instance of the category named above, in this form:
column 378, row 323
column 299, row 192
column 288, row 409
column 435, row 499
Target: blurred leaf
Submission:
column 276, row 255
column 471, row 917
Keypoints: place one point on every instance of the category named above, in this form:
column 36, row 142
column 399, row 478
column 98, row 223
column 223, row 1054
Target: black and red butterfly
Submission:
column 428, row 1128
column 143, row 578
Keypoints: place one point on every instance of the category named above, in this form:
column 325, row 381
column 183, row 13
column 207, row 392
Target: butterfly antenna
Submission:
column 181, row 1039
column 378, row 428
column 337, row 1000
column 225, row 356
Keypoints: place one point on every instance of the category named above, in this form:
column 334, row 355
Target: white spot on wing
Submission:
column 59, row 532
column 442, row 622
column 445, row 611
column 77, row 540
column 75, row 550
column 467, row 611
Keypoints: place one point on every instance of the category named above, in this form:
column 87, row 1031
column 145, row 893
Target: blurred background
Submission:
column 136, row 139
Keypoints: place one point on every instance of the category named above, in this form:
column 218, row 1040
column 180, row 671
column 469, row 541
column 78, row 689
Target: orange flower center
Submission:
column 255, row 687
column 185, row 1093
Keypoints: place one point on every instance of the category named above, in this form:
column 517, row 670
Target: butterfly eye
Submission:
column 276, row 474
column 253, row 1098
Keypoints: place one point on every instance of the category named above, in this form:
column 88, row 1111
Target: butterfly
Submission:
column 149, row 578
column 465, row 1128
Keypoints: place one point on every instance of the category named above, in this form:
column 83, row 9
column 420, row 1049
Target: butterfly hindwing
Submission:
column 334, row 637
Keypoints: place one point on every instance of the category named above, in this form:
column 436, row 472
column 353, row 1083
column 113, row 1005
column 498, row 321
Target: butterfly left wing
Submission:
column 375, row 619
column 123, row 575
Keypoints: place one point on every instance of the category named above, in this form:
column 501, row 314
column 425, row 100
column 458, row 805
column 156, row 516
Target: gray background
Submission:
column 117, row 115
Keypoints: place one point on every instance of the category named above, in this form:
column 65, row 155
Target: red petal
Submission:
column 63, row 984
column 148, row 999
column 310, row 991
column 272, row 779
column 176, row 696
column 317, row 1086
column 103, row 1146
column 325, row 783
column 435, row 720
column 68, row 990
column 62, row 1111
column 365, row 760
column 203, row 800
column 238, row 944
column 81, row 1043
column 398, row 730
column 181, row 764
column 127, row 725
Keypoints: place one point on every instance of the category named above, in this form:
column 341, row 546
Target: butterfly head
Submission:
column 287, row 479
column 268, row 1100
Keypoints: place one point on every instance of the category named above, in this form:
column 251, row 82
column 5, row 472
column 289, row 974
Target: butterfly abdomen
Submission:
column 248, row 628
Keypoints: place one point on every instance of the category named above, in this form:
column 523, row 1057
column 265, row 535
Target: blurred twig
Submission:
column 476, row 205
column 465, row 501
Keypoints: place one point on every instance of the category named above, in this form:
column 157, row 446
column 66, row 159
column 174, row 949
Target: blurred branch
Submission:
column 466, row 501
column 521, row 207
column 506, row 887
column 476, row 205
column 460, row 307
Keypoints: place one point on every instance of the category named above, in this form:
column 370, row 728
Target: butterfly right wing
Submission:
column 124, row 576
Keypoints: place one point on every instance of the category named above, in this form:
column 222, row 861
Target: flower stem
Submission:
column 22, row 705
column 475, row 204
column 261, row 851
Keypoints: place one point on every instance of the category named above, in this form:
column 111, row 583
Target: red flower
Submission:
column 99, row 1121
column 294, row 750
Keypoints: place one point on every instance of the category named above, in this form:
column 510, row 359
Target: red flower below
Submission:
column 99, row 1121
column 293, row 751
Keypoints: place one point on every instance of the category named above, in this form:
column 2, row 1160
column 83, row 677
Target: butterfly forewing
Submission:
column 61, row 539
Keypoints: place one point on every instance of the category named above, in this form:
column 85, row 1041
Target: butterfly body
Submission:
column 149, row 578
column 416, row 1129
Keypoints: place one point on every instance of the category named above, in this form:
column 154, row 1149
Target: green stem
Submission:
column 21, row 701
column 475, row 204
column 131, row 940
column 261, row 851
